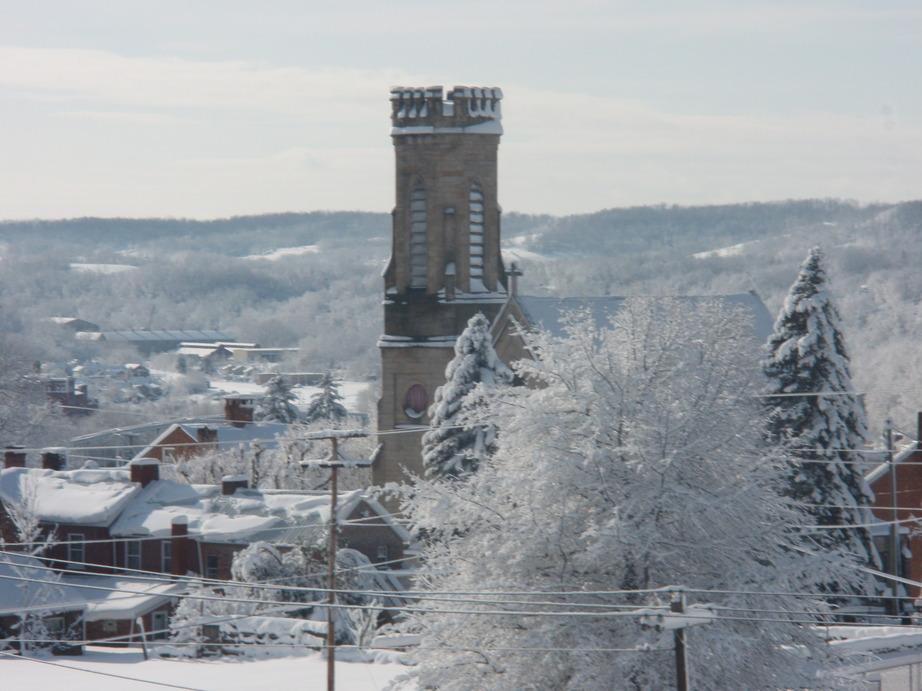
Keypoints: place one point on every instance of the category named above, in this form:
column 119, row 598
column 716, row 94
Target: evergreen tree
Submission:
column 806, row 356
column 277, row 403
column 451, row 446
column 326, row 404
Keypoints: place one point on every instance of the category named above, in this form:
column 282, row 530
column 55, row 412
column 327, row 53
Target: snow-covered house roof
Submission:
column 882, row 469
column 111, row 597
column 92, row 497
column 229, row 435
column 243, row 517
column 549, row 312
column 18, row 569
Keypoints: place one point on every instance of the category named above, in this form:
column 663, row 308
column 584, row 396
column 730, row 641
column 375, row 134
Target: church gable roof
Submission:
column 548, row 312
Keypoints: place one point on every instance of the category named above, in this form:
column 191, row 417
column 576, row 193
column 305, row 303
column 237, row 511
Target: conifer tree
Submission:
column 451, row 446
column 823, row 420
column 326, row 405
column 278, row 402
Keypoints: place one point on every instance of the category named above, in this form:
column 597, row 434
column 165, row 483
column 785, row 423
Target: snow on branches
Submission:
column 453, row 446
column 635, row 462
column 823, row 419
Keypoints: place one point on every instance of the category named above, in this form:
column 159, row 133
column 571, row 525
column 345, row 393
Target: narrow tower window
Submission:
column 419, row 259
column 475, row 210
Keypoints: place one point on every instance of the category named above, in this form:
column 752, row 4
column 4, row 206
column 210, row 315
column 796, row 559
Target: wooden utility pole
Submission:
column 893, row 565
column 681, row 654
column 334, row 462
column 331, row 573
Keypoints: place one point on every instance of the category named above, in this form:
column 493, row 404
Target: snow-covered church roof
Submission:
column 548, row 312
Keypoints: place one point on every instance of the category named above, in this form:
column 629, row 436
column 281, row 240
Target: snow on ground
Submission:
column 286, row 252
column 730, row 251
column 85, row 673
column 101, row 268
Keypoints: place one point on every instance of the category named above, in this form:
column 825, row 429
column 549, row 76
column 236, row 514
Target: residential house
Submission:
column 905, row 507
column 28, row 588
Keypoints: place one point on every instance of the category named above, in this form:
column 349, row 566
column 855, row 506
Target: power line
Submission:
column 103, row 674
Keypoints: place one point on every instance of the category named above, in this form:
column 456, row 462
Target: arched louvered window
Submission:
column 475, row 212
column 419, row 250
column 416, row 402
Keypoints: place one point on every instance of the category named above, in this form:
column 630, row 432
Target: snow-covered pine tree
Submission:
column 806, row 355
column 452, row 446
column 326, row 404
column 277, row 403
column 638, row 461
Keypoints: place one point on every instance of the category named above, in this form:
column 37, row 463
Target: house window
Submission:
column 419, row 246
column 55, row 625
column 159, row 625
column 211, row 566
column 133, row 555
column 166, row 556
column 76, row 551
column 475, row 234
column 382, row 554
column 416, row 402
column 110, row 627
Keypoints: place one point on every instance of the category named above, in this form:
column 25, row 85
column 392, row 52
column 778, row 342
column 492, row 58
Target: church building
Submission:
column 446, row 266
column 445, row 263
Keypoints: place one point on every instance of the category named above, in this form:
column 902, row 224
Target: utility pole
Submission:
column 334, row 462
column 681, row 654
column 894, row 551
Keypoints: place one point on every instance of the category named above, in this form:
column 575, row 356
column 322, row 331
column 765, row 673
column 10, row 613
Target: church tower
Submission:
column 445, row 263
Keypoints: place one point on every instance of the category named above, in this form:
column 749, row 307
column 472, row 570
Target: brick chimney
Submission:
column 179, row 555
column 206, row 435
column 231, row 483
column 144, row 470
column 238, row 409
column 54, row 459
column 14, row 457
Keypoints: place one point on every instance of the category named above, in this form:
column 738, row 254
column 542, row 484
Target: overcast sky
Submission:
column 214, row 108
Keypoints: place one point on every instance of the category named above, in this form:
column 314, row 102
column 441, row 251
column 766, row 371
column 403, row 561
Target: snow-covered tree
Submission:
column 636, row 462
column 277, row 402
column 822, row 420
column 452, row 446
column 326, row 404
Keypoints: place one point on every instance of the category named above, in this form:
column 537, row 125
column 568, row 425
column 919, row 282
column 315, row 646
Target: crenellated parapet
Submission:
column 466, row 109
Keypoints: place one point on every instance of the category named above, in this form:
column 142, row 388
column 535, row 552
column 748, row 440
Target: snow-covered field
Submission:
column 107, row 669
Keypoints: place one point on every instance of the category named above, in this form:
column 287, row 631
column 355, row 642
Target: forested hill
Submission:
column 314, row 278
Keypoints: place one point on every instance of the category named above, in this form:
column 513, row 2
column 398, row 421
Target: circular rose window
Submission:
column 417, row 401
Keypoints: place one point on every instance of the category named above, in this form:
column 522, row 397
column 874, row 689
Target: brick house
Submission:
column 908, row 464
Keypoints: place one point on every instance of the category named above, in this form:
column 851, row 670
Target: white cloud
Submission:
column 330, row 93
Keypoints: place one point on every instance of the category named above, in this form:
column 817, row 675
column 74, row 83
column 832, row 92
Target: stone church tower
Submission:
column 445, row 263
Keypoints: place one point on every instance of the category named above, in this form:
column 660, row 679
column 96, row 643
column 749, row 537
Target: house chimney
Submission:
column 231, row 483
column 144, row 470
column 14, row 457
column 179, row 555
column 238, row 410
column 206, row 435
column 54, row 459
